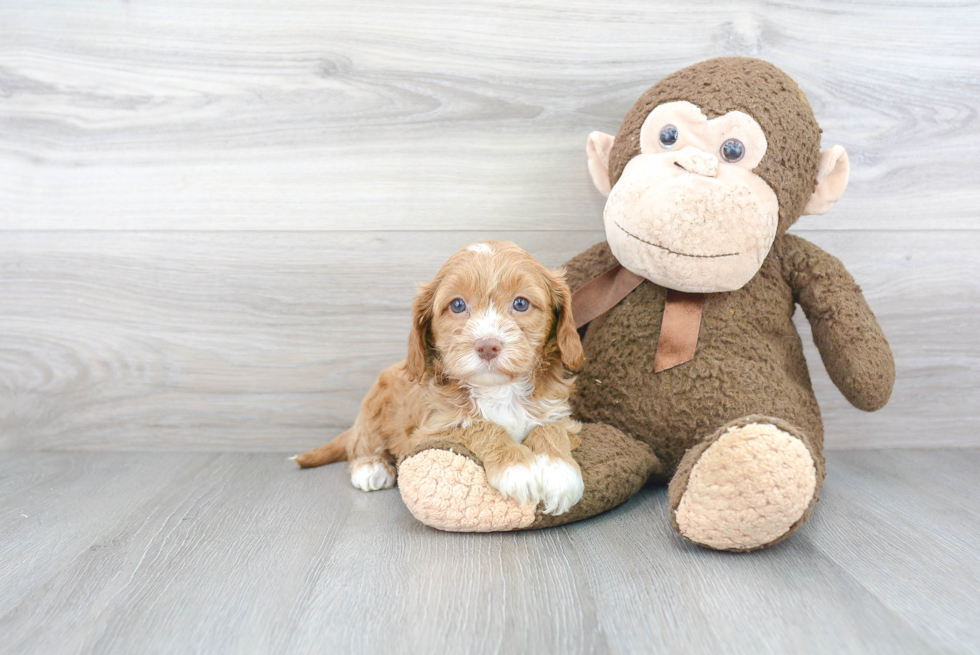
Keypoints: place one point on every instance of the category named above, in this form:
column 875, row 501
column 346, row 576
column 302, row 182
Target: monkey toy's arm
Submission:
column 853, row 347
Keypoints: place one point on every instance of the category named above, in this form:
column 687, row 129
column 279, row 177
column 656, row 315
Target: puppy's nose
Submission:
column 487, row 348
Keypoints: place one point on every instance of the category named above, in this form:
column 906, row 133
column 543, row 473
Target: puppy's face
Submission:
column 493, row 315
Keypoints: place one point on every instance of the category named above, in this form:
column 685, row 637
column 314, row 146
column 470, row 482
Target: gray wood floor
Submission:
column 241, row 553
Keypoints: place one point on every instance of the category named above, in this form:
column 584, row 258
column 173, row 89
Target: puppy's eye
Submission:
column 668, row 136
column 732, row 150
column 521, row 304
column 458, row 306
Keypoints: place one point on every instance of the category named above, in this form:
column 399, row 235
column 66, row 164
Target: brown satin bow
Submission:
column 682, row 313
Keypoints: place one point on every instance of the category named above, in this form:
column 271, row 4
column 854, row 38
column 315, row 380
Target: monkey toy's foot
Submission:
column 750, row 485
column 444, row 486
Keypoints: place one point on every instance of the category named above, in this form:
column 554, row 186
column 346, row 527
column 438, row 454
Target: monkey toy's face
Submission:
column 688, row 212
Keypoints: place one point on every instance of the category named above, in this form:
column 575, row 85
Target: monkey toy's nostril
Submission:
column 487, row 348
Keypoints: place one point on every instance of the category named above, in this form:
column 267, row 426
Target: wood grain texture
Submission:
column 213, row 213
column 900, row 495
column 327, row 115
column 268, row 341
column 240, row 553
column 61, row 504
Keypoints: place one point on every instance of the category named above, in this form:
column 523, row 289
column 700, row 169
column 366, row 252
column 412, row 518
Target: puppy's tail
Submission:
column 335, row 451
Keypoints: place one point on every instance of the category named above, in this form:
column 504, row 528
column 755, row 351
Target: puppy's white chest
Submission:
column 506, row 405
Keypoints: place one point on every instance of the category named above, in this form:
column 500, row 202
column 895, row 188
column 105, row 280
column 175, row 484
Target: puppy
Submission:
column 490, row 338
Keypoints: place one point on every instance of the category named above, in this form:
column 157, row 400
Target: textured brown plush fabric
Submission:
column 853, row 348
column 614, row 467
column 749, row 357
column 762, row 91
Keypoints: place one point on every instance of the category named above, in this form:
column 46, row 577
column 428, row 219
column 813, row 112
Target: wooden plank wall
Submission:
column 213, row 213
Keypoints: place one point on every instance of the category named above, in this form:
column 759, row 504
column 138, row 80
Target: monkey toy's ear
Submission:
column 598, row 148
column 831, row 181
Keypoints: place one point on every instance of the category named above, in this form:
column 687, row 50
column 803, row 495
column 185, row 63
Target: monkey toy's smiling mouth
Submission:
column 688, row 232
column 668, row 250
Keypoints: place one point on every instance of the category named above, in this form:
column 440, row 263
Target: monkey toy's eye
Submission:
column 521, row 304
column 732, row 150
column 668, row 136
column 458, row 306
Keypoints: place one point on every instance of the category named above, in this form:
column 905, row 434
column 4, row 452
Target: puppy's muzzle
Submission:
column 487, row 349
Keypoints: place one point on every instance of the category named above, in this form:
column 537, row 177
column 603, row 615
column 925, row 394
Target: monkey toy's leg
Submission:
column 444, row 486
column 750, row 485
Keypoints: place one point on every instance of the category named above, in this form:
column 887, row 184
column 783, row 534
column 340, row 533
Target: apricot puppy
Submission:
column 491, row 337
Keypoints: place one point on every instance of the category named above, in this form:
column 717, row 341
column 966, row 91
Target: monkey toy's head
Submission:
column 708, row 167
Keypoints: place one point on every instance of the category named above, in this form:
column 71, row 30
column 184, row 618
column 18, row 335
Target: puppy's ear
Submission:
column 569, row 344
column 417, row 362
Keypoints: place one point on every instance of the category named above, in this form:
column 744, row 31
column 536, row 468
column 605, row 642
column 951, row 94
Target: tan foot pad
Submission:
column 450, row 492
column 748, row 489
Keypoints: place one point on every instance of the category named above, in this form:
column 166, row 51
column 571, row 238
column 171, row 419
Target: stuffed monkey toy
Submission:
column 694, row 372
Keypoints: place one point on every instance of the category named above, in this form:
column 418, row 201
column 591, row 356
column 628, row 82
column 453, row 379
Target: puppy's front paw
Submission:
column 517, row 481
column 371, row 474
column 559, row 483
